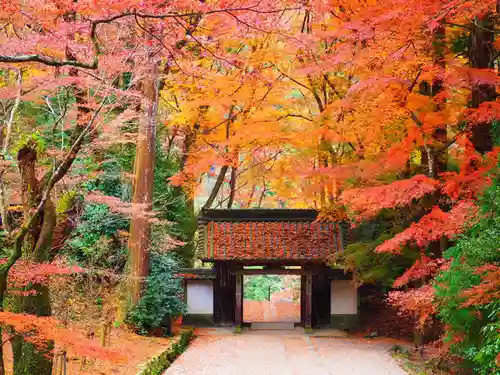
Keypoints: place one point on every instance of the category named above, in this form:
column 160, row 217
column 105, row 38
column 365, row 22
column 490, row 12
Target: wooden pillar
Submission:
column 239, row 299
column 308, row 304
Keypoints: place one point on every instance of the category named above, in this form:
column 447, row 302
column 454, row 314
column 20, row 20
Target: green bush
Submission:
column 370, row 267
column 171, row 206
column 474, row 330
column 162, row 297
column 95, row 241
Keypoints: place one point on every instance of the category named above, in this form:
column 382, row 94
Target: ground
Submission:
column 271, row 311
column 137, row 349
column 284, row 354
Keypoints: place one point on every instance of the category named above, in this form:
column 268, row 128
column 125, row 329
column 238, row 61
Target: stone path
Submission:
column 264, row 354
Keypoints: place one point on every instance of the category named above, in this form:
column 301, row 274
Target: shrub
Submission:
column 163, row 295
column 95, row 241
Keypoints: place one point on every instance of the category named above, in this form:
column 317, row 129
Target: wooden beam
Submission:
column 239, row 299
column 308, row 302
column 274, row 271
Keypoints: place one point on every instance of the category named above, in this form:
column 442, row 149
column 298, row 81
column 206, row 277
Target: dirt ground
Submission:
column 282, row 354
column 136, row 349
column 271, row 311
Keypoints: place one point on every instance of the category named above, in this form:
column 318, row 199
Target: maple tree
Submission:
column 88, row 50
column 348, row 106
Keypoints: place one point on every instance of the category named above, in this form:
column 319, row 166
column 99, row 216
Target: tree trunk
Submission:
column 233, row 187
column 3, row 287
column 5, row 150
column 217, row 186
column 140, row 227
column 29, row 359
column 481, row 52
column 263, row 194
column 250, row 198
column 224, row 168
column 2, row 366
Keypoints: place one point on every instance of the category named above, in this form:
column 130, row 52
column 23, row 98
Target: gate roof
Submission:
column 268, row 234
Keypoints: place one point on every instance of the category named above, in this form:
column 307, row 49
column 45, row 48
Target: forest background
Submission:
column 115, row 115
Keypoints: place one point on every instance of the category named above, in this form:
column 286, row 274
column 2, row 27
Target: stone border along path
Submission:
column 271, row 354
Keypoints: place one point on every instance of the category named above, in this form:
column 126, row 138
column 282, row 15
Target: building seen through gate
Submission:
column 240, row 243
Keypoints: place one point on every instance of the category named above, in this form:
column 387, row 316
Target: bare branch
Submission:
column 51, row 61
column 8, row 131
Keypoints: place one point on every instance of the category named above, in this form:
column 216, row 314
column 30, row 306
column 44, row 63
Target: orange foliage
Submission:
column 418, row 301
column 422, row 269
column 38, row 330
column 26, row 272
column 432, row 227
column 367, row 202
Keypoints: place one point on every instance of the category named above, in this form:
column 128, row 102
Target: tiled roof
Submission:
column 197, row 274
column 260, row 240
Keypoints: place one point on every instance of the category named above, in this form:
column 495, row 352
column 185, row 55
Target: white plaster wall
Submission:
column 200, row 297
column 344, row 297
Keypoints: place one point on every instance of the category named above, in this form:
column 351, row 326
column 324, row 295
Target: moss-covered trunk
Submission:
column 28, row 358
column 3, row 285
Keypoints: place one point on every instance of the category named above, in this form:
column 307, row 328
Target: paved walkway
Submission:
column 264, row 354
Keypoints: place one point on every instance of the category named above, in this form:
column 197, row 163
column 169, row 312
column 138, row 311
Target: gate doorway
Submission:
column 272, row 298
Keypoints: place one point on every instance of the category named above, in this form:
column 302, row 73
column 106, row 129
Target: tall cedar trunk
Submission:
column 140, row 227
column 481, row 51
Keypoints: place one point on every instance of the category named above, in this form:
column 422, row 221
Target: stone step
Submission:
column 273, row 326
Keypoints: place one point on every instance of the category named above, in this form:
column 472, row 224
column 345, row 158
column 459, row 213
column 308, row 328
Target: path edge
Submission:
column 159, row 363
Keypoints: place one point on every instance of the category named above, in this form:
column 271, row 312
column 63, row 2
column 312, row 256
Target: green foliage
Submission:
column 65, row 202
column 115, row 162
column 171, row 205
column 159, row 364
column 260, row 287
column 490, row 346
column 476, row 326
column 33, row 140
column 95, row 241
column 370, row 267
column 162, row 297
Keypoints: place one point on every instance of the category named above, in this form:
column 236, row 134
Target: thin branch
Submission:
column 332, row 86
column 205, row 48
column 294, row 115
column 294, row 80
column 52, row 61
column 5, row 150
column 8, row 132
column 227, row 198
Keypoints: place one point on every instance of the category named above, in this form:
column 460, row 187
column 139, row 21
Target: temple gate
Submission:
column 280, row 242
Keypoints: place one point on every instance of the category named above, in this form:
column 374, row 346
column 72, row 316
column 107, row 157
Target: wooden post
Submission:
column 239, row 299
column 308, row 320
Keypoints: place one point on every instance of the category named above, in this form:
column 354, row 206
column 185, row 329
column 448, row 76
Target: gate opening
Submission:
column 269, row 298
